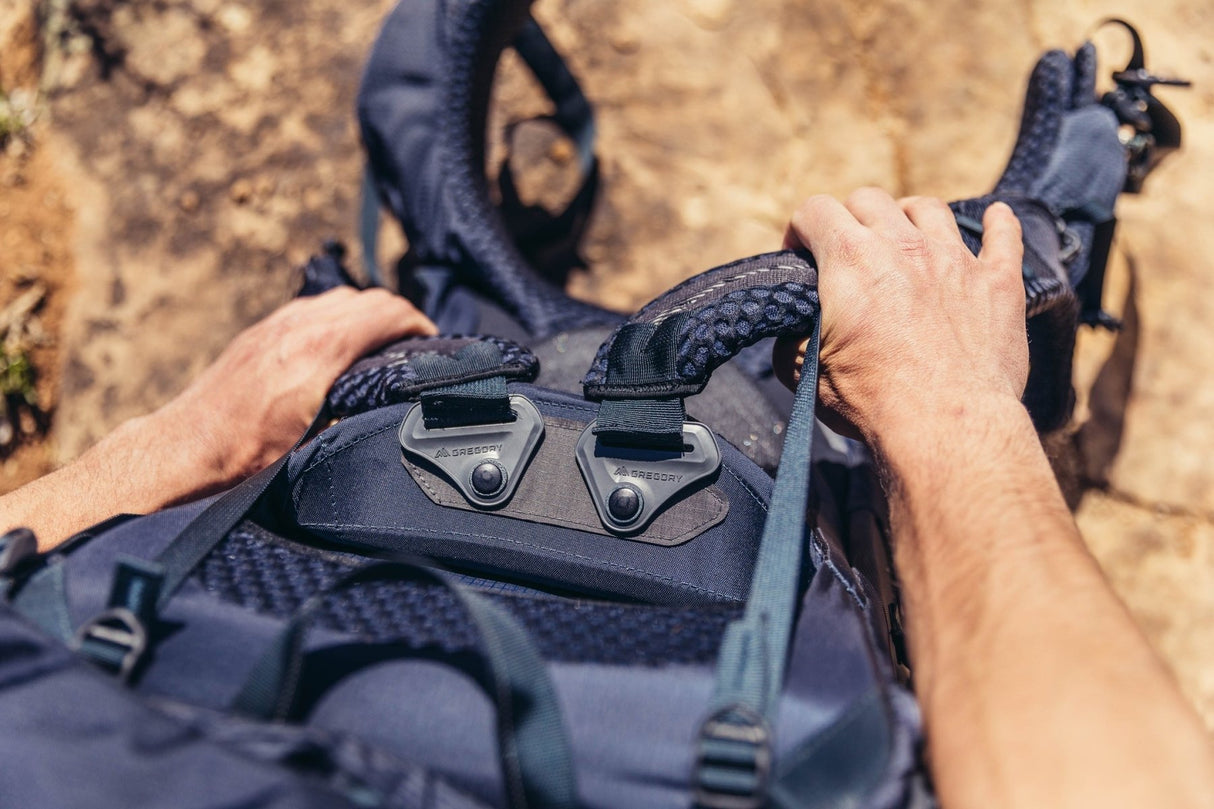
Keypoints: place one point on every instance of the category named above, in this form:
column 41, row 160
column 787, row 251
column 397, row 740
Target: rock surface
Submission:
column 209, row 146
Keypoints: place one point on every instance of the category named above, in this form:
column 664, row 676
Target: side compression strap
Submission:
column 734, row 754
column 537, row 764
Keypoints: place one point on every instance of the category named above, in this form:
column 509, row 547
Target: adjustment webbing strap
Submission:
column 653, row 423
column 208, row 529
column 734, row 746
column 537, row 763
column 142, row 588
column 478, row 401
column 368, row 227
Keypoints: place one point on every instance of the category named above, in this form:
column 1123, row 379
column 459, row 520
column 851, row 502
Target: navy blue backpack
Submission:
column 510, row 569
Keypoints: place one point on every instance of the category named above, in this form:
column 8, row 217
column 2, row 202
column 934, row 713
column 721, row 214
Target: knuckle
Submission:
column 922, row 204
column 849, row 249
column 913, row 244
column 865, row 193
column 812, row 206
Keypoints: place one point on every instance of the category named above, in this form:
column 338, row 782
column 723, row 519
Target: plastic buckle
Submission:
column 630, row 485
column 114, row 639
column 484, row 461
column 733, row 760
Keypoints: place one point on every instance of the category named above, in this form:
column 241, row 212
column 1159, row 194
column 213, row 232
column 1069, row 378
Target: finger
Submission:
column 932, row 216
column 1002, row 246
column 377, row 316
column 823, row 225
column 877, row 210
column 787, row 357
column 349, row 327
column 791, row 240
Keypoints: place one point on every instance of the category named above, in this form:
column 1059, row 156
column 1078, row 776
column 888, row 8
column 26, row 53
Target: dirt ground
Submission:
column 176, row 160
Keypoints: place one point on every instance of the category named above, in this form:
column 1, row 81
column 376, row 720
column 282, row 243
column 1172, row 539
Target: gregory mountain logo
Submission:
column 645, row 474
column 456, row 452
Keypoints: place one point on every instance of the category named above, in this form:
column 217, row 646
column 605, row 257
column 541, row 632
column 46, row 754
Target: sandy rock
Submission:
column 20, row 48
column 1162, row 565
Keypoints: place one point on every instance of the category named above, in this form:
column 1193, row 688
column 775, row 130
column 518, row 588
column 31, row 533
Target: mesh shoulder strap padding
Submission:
column 392, row 374
column 671, row 347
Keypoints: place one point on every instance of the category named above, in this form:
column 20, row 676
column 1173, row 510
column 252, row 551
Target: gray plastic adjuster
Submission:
column 484, row 461
column 630, row 485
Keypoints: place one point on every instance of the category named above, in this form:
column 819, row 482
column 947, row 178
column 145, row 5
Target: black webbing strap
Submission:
column 117, row 637
column 643, row 357
column 652, row 423
column 479, row 401
column 734, row 750
column 537, row 764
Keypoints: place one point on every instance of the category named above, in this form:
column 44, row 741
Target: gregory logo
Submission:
column 644, row 474
column 456, row 452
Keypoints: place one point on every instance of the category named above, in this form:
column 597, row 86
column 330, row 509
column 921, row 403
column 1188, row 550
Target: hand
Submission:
column 913, row 324
column 254, row 402
column 244, row 411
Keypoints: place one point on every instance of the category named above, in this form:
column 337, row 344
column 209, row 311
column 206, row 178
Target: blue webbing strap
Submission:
column 368, row 227
column 537, row 763
column 734, row 751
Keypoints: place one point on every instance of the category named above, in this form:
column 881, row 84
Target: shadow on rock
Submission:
column 1082, row 459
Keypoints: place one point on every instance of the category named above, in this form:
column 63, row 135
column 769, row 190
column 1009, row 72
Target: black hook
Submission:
column 1157, row 132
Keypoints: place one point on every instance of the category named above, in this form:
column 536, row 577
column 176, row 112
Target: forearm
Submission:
column 1023, row 656
column 143, row 465
column 237, row 417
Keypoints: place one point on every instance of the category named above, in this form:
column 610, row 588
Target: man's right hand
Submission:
column 910, row 317
column 1036, row 687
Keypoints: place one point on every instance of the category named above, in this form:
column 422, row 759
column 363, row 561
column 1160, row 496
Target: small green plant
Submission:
column 16, row 115
column 17, row 377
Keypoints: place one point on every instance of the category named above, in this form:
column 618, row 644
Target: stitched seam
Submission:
column 330, row 451
column 573, row 408
column 332, row 491
column 419, row 476
column 694, row 299
column 754, row 495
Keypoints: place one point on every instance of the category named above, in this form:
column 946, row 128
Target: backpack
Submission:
column 485, row 585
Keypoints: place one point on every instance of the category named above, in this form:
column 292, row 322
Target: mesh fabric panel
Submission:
column 261, row 571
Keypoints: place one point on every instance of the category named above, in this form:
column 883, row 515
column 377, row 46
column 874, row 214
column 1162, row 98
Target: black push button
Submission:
column 624, row 504
column 488, row 479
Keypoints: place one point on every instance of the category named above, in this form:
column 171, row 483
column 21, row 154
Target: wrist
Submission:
column 183, row 450
column 914, row 431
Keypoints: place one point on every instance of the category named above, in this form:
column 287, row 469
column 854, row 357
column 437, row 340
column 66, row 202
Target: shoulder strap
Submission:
column 533, row 746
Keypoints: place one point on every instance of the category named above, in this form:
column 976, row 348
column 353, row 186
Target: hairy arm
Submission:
column 237, row 417
column 1037, row 687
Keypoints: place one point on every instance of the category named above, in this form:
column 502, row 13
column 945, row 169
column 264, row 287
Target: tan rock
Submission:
column 20, row 47
column 1162, row 565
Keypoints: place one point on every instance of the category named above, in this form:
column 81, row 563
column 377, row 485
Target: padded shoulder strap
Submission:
column 422, row 108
